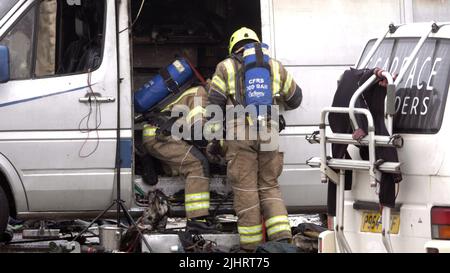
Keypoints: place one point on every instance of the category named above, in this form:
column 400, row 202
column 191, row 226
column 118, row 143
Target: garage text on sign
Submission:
column 419, row 78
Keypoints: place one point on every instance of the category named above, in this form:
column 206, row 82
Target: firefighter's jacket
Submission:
column 191, row 103
column 227, row 86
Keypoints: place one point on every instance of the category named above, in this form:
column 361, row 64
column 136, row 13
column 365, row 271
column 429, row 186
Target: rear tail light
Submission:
column 440, row 223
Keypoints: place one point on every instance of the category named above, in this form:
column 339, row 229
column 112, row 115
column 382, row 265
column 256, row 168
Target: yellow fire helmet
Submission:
column 242, row 34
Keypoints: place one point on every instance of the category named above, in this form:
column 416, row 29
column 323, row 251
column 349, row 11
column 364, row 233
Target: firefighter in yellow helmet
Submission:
column 252, row 171
column 183, row 158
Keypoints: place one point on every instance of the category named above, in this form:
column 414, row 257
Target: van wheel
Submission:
column 4, row 211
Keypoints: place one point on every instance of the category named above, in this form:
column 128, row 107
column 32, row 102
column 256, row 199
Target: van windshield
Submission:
column 422, row 93
column 5, row 6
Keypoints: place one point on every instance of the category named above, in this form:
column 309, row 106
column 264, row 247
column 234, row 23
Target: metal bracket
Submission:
column 332, row 175
column 393, row 28
column 386, row 226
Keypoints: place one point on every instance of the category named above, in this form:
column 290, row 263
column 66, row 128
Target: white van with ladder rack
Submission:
column 417, row 119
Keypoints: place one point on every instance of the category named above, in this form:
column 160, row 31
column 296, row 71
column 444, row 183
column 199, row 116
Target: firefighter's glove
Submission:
column 382, row 80
column 215, row 153
column 212, row 128
column 281, row 123
column 358, row 134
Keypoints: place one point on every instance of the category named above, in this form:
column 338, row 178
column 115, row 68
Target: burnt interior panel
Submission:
column 196, row 29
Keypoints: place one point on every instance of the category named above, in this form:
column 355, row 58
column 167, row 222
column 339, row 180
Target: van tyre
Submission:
column 4, row 212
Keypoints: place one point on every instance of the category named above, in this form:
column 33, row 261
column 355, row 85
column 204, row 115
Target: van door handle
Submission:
column 96, row 97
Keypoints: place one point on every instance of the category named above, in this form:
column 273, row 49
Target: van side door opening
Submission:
column 198, row 30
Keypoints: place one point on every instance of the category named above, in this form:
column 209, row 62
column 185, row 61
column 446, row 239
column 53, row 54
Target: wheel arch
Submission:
column 9, row 195
column 12, row 184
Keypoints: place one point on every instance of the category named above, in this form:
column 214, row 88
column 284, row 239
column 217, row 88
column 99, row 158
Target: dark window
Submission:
column 422, row 93
column 80, row 28
column 6, row 6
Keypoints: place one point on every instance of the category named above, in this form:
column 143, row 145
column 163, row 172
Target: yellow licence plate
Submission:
column 371, row 222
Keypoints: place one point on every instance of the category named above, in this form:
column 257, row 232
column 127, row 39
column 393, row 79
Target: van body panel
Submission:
column 298, row 182
column 304, row 30
column 440, row 190
column 318, row 85
column 415, row 230
column 444, row 168
column 431, row 161
column 442, row 246
column 300, row 188
column 125, row 53
column 126, row 101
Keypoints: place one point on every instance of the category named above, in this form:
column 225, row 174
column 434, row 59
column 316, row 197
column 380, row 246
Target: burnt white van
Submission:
column 68, row 70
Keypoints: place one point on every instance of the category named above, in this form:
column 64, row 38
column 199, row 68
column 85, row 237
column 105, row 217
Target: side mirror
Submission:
column 4, row 64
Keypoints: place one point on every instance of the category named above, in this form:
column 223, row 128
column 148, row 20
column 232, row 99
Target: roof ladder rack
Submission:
column 375, row 47
column 327, row 165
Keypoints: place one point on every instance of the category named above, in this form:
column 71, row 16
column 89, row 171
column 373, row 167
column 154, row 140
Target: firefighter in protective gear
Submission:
column 252, row 171
column 184, row 158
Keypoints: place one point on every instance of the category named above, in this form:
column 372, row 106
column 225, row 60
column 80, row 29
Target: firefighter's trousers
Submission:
column 187, row 161
column 257, row 196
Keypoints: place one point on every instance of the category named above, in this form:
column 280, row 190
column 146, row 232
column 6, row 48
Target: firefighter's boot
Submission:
column 202, row 225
